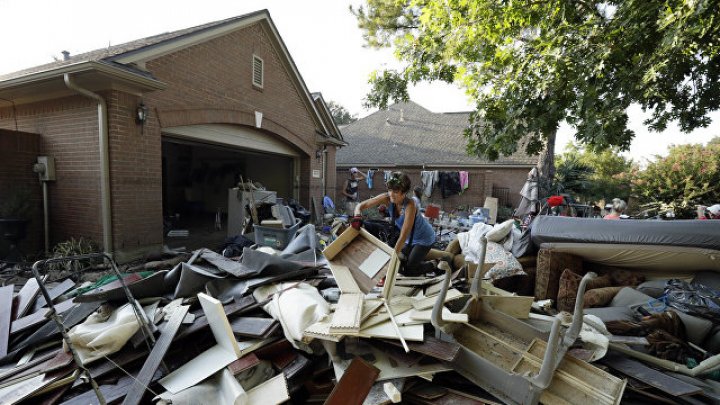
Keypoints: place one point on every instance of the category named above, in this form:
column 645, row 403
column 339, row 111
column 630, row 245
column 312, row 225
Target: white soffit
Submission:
column 233, row 135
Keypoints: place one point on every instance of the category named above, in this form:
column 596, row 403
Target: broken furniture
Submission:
column 238, row 199
column 518, row 362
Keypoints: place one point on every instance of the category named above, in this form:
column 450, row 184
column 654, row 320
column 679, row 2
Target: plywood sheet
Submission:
column 351, row 249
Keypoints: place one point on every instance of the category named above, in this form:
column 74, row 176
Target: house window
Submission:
column 257, row 72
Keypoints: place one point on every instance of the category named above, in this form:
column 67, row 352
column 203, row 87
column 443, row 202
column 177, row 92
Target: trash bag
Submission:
column 694, row 298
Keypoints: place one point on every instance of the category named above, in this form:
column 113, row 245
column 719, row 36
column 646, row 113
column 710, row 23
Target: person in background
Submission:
column 417, row 196
column 350, row 190
column 618, row 208
column 416, row 234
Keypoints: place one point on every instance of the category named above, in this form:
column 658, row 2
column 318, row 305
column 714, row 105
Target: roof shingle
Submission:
column 407, row 134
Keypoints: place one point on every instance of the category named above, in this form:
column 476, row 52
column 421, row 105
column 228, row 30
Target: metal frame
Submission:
column 139, row 313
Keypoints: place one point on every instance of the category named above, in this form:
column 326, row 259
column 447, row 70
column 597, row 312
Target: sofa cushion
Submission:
column 568, row 288
column 599, row 297
column 506, row 265
column 550, row 266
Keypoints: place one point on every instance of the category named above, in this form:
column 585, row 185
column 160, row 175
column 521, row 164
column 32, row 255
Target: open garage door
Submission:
column 201, row 163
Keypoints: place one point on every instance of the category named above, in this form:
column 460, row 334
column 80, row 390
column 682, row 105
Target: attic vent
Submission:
column 258, row 76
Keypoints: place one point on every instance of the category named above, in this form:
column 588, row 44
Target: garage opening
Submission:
column 197, row 179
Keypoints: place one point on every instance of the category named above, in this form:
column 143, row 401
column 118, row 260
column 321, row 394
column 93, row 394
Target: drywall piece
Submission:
column 397, row 368
column 374, row 263
column 447, row 316
column 211, row 361
column 143, row 378
column 272, row 392
column 428, row 302
column 413, row 333
column 347, row 314
column 6, row 299
column 356, row 382
column 344, row 279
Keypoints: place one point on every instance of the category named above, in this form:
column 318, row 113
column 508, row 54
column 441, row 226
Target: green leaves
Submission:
column 531, row 64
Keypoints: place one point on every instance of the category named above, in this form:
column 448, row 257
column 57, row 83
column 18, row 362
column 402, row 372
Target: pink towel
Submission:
column 463, row 180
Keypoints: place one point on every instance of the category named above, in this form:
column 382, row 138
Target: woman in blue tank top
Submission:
column 416, row 234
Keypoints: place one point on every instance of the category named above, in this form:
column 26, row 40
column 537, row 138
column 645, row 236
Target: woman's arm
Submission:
column 410, row 212
column 372, row 202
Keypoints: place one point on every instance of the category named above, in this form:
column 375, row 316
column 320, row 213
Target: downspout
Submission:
column 105, row 206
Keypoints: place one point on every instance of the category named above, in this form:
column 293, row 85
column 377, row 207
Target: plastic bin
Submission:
column 276, row 238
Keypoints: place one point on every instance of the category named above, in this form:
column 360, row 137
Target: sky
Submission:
column 321, row 35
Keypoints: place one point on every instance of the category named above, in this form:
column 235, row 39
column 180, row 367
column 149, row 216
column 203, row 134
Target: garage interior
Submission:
column 197, row 177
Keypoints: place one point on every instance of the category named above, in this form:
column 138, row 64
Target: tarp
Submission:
column 689, row 233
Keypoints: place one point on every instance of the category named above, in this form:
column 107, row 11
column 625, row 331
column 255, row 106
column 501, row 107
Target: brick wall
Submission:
column 135, row 177
column 18, row 152
column 480, row 185
column 212, row 83
column 68, row 129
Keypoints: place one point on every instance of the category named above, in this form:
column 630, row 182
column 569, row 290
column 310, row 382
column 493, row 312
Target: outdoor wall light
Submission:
column 141, row 114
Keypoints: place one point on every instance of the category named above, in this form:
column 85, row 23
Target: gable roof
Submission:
column 129, row 59
column 406, row 134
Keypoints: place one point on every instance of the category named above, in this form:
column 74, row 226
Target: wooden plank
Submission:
column 387, row 330
column 36, row 318
column 354, row 385
column 347, row 314
column 6, row 300
column 54, row 292
column 25, row 298
column 245, row 362
column 340, row 243
column 515, row 306
column 652, row 377
column 142, row 380
column 629, row 340
column 579, row 375
column 428, row 302
column 447, row 316
column 433, row 347
column 253, row 327
column 343, row 278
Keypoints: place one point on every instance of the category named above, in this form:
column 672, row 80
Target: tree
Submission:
column 340, row 115
column 529, row 65
column 610, row 175
column 572, row 176
column 689, row 175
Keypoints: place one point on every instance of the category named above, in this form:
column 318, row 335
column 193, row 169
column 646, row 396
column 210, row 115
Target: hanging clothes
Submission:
column 464, row 180
column 369, row 178
column 449, row 184
column 387, row 174
column 428, row 179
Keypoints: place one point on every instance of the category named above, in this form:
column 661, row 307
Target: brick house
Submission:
column 221, row 100
column 410, row 138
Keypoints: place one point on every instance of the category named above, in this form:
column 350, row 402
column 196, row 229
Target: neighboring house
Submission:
column 409, row 138
column 220, row 100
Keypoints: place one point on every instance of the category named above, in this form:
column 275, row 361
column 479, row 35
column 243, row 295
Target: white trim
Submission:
column 234, row 135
